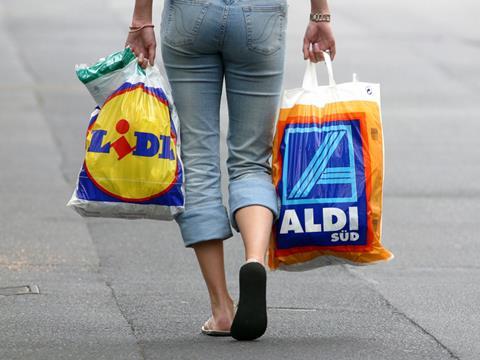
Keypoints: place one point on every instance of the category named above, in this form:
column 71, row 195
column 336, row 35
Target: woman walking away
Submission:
column 203, row 43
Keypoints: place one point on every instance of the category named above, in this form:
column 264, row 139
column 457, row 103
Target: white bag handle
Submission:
column 310, row 81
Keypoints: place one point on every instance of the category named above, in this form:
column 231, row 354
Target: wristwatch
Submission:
column 319, row 17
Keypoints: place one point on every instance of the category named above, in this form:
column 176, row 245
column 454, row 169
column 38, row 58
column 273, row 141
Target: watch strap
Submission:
column 319, row 17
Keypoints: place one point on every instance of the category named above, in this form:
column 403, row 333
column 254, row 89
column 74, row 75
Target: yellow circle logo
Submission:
column 130, row 147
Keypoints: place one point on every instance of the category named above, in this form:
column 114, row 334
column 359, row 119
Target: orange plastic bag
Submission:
column 328, row 173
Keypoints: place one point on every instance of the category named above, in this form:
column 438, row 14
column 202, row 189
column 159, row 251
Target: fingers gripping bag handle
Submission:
column 132, row 167
column 310, row 81
column 327, row 169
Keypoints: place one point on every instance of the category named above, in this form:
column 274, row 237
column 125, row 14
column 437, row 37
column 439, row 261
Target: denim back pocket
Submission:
column 182, row 20
column 265, row 25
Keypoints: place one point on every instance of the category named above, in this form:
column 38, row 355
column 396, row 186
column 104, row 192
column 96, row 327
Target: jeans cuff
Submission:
column 252, row 191
column 203, row 224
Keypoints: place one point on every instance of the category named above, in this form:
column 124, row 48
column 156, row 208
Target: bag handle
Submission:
column 310, row 81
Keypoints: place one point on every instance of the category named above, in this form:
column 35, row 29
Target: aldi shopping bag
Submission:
column 328, row 173
column 132, row 166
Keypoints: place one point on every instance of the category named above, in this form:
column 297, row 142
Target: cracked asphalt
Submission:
column 112, row 289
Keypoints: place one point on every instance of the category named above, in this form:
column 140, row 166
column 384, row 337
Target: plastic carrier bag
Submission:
column 132, row 167
column 327, row 167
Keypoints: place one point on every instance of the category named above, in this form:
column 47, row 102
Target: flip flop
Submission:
column 250, row 321
column 212, row 332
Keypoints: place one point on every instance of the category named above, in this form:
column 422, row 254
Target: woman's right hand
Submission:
column 143, row 45
column 318, row 38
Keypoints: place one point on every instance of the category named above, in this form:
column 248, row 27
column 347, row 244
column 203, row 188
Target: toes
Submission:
column 206, row 325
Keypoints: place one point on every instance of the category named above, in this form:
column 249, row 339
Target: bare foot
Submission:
column 222, row 317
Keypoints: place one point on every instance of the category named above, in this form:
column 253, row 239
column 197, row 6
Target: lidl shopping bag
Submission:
column 328, row 173
column 132, row 166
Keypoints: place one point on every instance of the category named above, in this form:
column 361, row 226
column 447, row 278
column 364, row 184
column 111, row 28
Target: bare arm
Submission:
column 318, row 35
column 142, row 42
column 319, row 6
column 142, row 12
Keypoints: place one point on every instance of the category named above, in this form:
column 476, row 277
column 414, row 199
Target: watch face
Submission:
column 320, row 17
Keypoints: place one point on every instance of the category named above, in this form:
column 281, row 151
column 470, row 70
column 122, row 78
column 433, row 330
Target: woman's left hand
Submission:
column 143, row 45
column 318, row 38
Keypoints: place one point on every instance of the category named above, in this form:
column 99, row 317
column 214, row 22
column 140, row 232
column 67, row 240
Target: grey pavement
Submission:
column 113, row 289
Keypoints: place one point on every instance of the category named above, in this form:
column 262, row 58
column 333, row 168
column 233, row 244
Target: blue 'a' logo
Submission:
column 326, row 172
column 323, row 187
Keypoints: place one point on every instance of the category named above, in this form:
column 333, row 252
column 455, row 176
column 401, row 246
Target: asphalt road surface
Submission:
column 111, row 289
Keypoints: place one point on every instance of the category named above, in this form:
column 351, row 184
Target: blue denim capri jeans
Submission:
column 204, row 42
